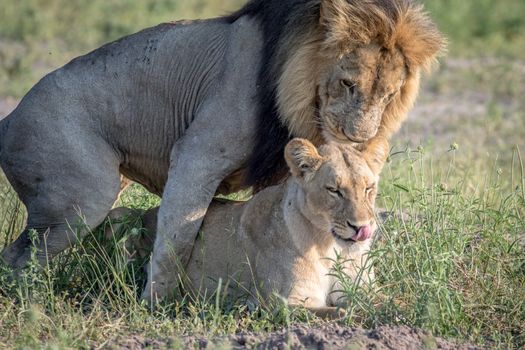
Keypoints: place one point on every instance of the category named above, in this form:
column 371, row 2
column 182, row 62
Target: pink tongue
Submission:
column 364, row 233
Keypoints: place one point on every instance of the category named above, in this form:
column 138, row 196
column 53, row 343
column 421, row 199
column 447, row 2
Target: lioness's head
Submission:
column 357, row 73
column 338, row 185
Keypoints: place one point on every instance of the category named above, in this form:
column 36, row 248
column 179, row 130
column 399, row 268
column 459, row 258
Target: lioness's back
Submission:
column 236, row 244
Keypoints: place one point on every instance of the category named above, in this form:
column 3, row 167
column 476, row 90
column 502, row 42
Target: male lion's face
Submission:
column 354, row 92
column 339, row 186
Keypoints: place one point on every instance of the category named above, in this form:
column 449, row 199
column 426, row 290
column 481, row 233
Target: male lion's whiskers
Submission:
column 334, row 131
column 317, row 119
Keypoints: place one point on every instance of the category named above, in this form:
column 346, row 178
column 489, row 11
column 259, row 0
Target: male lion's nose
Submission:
column 363, row 233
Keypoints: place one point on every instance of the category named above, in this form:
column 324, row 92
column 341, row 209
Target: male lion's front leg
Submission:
column 218, row 142
column 192, row 183
column 200, row 161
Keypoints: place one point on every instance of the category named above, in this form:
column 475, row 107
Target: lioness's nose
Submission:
column 353, row 227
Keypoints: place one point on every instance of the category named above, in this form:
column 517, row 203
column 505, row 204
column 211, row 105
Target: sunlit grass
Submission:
column 451, row 257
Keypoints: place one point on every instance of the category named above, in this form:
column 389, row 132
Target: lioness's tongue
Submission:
column 364, row 233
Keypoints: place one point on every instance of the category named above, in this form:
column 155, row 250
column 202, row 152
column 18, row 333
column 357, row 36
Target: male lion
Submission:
column 179, row 107
column 288, row 237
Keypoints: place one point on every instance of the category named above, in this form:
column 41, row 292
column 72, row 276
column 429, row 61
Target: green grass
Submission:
column 450, row 260
column 481, row 27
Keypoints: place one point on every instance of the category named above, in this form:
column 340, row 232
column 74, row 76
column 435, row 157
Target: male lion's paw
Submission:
column 328, row 313
column 157, row 290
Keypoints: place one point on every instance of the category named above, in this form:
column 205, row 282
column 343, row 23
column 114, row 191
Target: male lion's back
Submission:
column 138, row 94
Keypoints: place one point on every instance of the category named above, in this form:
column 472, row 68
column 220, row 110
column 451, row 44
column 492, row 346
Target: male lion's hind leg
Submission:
column 11, row 253
column 54, row 232
column 61, row 209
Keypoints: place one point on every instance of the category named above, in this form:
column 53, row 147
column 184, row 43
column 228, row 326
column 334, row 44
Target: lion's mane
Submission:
column 302, row 36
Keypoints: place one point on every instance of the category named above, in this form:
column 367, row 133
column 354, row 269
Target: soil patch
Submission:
column 328, row 336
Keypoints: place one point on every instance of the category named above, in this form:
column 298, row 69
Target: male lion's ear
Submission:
column 302, row 158
column 336, row 22
column 419, row 38
column 375, row 152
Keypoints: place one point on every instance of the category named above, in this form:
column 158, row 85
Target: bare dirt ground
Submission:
column 329, row 336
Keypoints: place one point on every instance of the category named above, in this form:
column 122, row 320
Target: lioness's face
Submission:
column 354, row 92
column 344, row 189
column 339, row 187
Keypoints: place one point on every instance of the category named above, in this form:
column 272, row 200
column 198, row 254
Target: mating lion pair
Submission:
column 287, row 238
column 185, row 108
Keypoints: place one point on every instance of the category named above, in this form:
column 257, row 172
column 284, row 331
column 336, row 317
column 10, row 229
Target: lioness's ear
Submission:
column 375, row 152
column 302, row 158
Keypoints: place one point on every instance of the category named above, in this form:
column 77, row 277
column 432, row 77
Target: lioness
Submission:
column 287, row 238
column 180, row 107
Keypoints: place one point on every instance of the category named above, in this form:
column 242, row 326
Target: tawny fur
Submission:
column 177, row 108
column 287, row 238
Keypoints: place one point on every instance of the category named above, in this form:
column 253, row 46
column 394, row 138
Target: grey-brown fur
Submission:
column 140, row 105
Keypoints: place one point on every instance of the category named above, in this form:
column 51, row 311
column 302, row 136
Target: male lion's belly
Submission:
column 154, row 181
column 152, row 174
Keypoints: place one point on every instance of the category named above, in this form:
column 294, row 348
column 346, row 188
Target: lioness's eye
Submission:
column 369, row 192
column 391, row 96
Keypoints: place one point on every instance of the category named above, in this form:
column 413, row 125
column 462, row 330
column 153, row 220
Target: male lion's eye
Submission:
column 347, row 84
column 335, row 191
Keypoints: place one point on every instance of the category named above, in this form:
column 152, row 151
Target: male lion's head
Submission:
column 338, row 185
column 335, row 70
column 357, row 73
